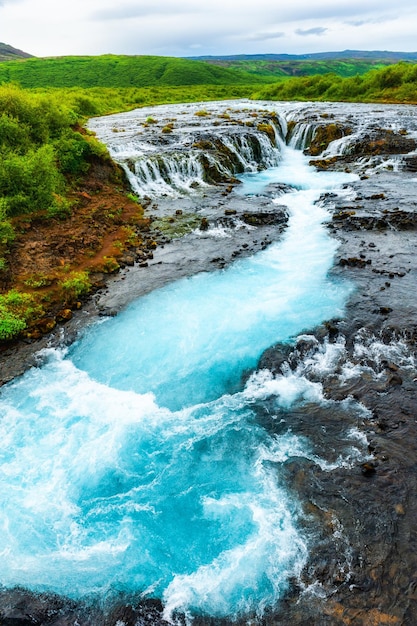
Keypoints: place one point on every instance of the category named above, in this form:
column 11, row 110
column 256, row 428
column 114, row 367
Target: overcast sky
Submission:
column 195, row 27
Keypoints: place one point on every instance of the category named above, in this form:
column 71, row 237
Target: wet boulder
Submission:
column 324, row 135
column 266, row 218
column 383, row 141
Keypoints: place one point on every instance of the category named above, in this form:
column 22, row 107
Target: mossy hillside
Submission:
column 280, row 69
column 119, row 71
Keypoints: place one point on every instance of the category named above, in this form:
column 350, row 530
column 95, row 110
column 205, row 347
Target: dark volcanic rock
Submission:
column 266, row 218
column 382, row 141
column 410, row 163
column 400, row 220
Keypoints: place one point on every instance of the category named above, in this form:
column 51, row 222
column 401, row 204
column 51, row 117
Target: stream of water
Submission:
column 134, row 460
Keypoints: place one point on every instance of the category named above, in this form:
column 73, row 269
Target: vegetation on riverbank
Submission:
column 101, row 101
column 65, row 218
column 394, row 83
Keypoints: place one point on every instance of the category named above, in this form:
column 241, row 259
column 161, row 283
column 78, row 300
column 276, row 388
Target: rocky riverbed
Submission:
column 363, row 568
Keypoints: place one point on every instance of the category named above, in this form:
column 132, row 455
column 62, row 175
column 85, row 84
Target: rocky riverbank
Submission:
column 364, row 568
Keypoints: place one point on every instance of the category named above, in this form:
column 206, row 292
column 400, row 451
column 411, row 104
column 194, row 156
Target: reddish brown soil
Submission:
column 105, row 229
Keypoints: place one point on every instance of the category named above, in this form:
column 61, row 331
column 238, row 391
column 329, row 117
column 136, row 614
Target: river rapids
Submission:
column 180, row 451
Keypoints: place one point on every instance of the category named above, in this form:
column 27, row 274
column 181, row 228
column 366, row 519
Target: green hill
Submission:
column 370, row 55
column 345, row 63
column 285, row 69
column 8, row 53
column 119, row 71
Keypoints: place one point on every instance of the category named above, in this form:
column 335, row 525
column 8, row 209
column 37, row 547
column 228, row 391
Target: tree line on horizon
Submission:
column 393, row 83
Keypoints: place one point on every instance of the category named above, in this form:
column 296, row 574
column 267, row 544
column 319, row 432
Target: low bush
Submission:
column 16, row 309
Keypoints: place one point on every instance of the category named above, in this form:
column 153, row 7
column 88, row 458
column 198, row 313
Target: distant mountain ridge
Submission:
column 8, row 53
column 344, row 54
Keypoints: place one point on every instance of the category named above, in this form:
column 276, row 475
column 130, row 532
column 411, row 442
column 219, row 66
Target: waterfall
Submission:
column 222, row 157
column 135, row 460
column 301, row 135
column 164, row 174
column 151, row 456
column 210, row 152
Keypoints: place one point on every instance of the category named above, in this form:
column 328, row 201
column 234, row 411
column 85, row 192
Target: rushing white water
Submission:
column 135, row 462
column 214, row 148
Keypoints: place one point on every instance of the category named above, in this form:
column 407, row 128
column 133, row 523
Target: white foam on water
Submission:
column 104, row 491
column 274, row 552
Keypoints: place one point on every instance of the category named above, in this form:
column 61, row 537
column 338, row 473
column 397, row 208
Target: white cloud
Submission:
column 317, row 30
column 139, row 9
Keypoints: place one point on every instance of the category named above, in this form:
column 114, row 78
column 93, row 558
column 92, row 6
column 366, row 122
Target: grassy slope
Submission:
column 119, row 71
column 287, row 68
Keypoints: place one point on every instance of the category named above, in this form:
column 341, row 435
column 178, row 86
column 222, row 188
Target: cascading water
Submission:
column 164, row 174
column 301, row 135
column 227, row 148
column 134, row 461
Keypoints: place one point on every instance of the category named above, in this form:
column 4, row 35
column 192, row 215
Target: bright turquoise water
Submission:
column 134, row 462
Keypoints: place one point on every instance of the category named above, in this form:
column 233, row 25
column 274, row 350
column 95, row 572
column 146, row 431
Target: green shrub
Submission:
column 76, row 285
column 7, row 234
column 72, row 153
column 14, row 135
column 16, row 309
column 28, row 182
column 60, row 207
column 10, row 325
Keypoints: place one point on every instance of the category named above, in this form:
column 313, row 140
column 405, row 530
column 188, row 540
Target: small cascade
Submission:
column 253, row 151
column 166, row 174
column 213, row 159
column 340, row 147
column 301, row 135
column 174, row 163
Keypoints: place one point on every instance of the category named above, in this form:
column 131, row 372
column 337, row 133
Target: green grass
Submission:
column 119, row 71
column 104, row 100
column 284, row 69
